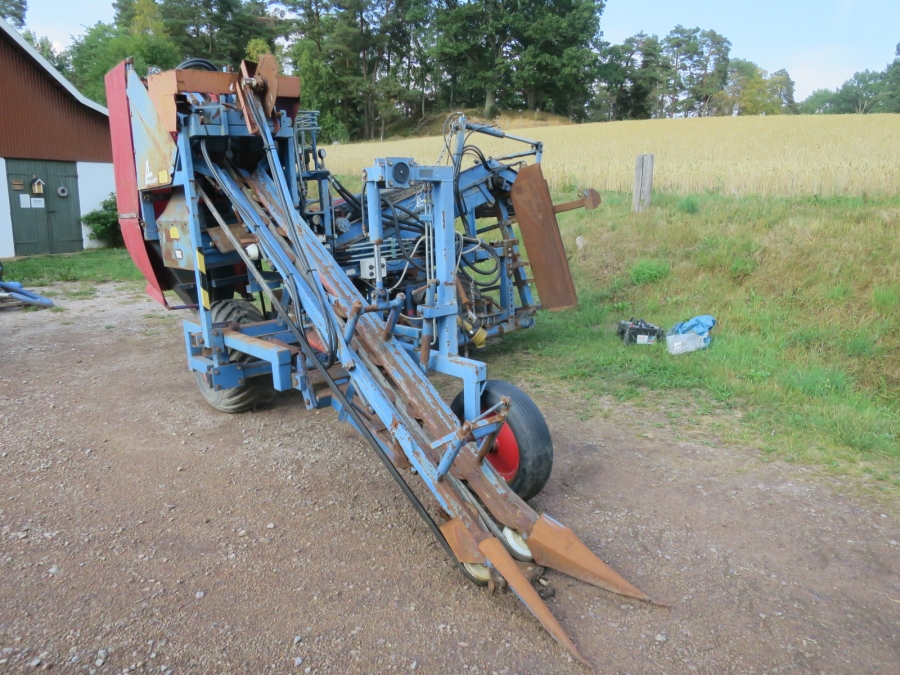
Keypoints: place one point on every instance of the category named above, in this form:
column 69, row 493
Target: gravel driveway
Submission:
column 142, row 531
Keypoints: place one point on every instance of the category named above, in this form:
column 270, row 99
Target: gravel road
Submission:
column 142, row 531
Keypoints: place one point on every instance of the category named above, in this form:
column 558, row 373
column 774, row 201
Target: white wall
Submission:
column 7, row 243
column 95, row 182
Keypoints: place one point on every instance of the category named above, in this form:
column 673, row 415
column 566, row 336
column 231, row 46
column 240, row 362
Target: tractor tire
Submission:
column 256, row 391
column 523, row 450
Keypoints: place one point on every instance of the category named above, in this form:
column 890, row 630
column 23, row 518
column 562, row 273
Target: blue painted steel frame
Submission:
column 208, row 344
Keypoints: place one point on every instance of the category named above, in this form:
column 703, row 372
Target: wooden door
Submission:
column 49, row 221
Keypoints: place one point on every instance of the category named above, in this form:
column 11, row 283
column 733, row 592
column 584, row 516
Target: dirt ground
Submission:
column 142, row 531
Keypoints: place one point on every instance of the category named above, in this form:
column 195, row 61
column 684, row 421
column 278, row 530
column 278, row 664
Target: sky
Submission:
column 820, row 42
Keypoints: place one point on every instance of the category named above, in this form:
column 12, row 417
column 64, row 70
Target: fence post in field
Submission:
column 643, row 183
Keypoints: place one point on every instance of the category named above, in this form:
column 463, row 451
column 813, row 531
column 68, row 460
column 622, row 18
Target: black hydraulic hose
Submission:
column 400, row 243
column 202, row 64
column 494, row 272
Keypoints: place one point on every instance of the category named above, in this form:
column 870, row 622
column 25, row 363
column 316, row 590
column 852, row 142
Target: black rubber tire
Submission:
column 256, row 391
column 531, row 433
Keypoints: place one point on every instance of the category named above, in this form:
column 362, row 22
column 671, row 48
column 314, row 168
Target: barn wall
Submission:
column 41, row 121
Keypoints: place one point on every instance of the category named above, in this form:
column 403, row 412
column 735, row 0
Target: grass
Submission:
column 776, row 155
column 93, row 266
column 806, row 291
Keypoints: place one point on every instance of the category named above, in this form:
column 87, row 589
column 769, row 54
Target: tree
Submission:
column 103, row 45
column 474, row 41
column 752, row 91
column 554, row 59
column 14, row 12
column 890, row 94
column 709, row 71
column 632, row 76
column 782, row 86
column 682, row 47
column 45, row 48
column 860, row 94
column 699, row 70
column 218, row 30
column 865, row 92
column 123, row 13
column 319, row 91
column 821, row 101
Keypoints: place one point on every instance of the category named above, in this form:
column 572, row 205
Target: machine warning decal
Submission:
column 173, row 233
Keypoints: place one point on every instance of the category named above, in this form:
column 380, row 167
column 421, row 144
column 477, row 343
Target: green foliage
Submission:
column 218, row 30
column 104, row 223
column 14, row 12
column 319, row 90
column 44, row 47
column 649, row 271
column 752, row 91
column 103, row 46
column 865, row 92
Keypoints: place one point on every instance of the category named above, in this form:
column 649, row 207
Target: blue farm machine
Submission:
column 295, row 281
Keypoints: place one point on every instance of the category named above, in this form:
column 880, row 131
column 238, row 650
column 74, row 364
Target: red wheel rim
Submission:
column 504, row 456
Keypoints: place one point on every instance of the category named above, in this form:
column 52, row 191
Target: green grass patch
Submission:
column 807, row 298
column 94, row 266
column 689, row 204
column 649, row 271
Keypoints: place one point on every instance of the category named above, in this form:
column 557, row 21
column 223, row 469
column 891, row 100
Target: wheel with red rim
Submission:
column 523, row 450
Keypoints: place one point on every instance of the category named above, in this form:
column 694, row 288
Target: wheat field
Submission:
column 779, row 155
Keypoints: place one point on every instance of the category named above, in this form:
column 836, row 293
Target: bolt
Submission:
column 215, row 371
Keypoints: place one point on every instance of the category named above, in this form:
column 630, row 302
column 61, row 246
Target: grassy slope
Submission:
column 806, row 293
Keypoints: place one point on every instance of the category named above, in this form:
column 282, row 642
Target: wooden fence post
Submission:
column 643, row 183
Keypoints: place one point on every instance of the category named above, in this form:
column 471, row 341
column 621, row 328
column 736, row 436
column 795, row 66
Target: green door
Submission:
column 47, row 222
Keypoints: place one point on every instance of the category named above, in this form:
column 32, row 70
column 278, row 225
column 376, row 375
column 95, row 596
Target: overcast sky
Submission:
column 820, row 42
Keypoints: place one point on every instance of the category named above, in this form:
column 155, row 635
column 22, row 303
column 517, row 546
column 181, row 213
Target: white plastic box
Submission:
column 686, row 342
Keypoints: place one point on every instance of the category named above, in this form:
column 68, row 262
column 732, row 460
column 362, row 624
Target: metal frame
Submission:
column 326, row 279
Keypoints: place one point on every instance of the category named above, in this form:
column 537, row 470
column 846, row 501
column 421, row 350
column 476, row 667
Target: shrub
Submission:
column 104, row 223
column 649, row 271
